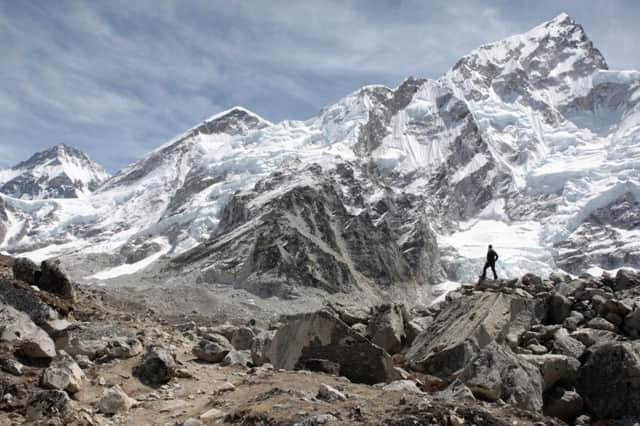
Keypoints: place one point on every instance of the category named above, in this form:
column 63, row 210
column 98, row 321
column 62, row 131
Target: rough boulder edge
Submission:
column 321, row 335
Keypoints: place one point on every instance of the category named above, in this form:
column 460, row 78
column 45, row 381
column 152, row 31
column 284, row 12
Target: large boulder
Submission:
column 498, row 373
column 564, row 344
column 212, row 348
column 242, row 338
column 26, row 270
column 27, row 338
column 240, row 358
column 609, row 380
column 260, row 346
column 386, row 327
column 99, row 341
column 157, row 367
column 38, row 305
column 559, row 309
column 322, row 335
column 593, row 336
column 467, row 325
column 49, row 404
column 625, row 279
column 563, row 403
column 55, row 280
column 114, row 401
column 122, row 348
column 63, row 374
column 555, row 368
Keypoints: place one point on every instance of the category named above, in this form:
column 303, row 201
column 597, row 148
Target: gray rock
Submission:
column 30, row 340
column 26, row 270
column 458, row 391
column 321, row 335
column 212, row 348
column 405, row 386
column 115, row 401
column 48, row 404
column 498, row 373
column 560, row 308
column 260, row 346
column 360, row 328
column 609, row 380
column 122, row 348
column 240, row 358
column 54, row 279
column 467, row 325
column 601, row 324
column 563, row 404
column 23, row 298
column 156, row 368
column 619, row 307
column 564, row 344
column 555, row 368
column 386, row 328
column 416, row 327
column 632, row 323
column 537, row 349
column 570, row 288
column 225, row 330
column 83, row 361
column 320, row 366
column 329, row 393
column 11, row 366
column 625, row 279
column 242, row 338
column 351, row 315
column 592, row 336
column 63, row 374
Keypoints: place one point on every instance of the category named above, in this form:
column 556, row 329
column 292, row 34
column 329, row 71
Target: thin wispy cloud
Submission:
column 118, row 78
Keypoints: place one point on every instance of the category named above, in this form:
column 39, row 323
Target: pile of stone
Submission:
column 550, row 346
column 39, row 337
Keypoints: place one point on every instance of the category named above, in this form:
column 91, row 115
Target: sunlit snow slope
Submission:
column 528, row 143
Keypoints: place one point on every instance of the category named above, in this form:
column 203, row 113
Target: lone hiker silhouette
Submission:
column 492, row 257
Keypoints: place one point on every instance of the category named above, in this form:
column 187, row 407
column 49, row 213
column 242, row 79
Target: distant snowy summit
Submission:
column 58, row 172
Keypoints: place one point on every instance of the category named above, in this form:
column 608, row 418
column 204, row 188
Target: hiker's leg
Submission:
column 484, row 271
column 493, row 269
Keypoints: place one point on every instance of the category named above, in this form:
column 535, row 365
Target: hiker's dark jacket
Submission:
column 492, row 256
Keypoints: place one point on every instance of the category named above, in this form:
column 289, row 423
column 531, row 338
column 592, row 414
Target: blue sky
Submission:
column 118, row 78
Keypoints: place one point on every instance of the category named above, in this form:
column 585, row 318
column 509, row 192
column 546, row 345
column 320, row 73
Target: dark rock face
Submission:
column 55, row 280
column 321, row 335
column 236, row 121
column 156, row 368
column 306, row 235
column 26, row 270
column 609, row 380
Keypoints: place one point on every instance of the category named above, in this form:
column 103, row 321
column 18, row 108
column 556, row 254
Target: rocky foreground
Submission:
column 522, row 351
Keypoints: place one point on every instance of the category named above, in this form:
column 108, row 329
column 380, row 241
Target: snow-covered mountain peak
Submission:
column 234, row 121
column 58, row 172
column 539, row 59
